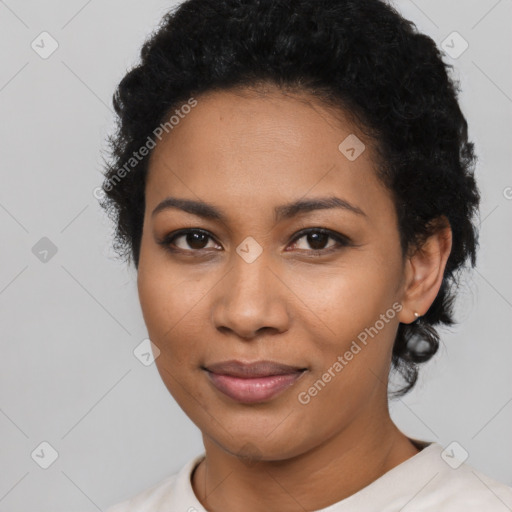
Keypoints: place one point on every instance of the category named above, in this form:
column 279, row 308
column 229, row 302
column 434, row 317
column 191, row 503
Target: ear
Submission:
column 424, row 270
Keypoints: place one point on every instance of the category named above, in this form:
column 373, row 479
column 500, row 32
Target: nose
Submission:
column 251, row 300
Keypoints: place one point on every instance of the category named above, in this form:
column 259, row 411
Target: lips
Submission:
column 252, row 370
column 254, row 382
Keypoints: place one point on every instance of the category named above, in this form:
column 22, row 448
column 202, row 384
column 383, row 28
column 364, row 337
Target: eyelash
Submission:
column 342, row 241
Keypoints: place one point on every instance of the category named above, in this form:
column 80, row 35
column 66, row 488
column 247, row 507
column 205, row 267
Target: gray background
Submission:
column 69, row 325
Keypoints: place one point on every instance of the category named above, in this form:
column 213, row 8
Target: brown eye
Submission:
column 195, row 240
column 189, row 240
column 317, row 239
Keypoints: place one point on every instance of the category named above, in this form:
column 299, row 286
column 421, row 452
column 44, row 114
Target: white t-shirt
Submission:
column 428, row 481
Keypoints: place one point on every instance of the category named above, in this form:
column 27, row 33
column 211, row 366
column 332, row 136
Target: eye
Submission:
column 195, row 239
column 317, row 238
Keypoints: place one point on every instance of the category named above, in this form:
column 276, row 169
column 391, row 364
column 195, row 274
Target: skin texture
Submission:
column 247, row 153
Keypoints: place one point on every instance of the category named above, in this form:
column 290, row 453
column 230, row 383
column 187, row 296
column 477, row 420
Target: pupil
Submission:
column 317, row 240
column 196, row 240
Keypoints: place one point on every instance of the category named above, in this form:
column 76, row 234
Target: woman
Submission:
column 294, row 183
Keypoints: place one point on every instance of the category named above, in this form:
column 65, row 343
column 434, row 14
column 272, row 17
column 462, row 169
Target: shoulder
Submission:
column 436, row 479
column 146, row 500
column 447, row 483
column 469, row 489
column 169, row 494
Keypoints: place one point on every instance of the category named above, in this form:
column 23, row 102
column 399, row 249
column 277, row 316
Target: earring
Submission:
column 417, row 315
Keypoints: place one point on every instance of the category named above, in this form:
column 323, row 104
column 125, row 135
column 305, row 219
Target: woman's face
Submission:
column 253, row 286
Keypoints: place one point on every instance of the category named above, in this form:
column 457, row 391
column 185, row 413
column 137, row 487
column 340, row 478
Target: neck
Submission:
column 326, row 474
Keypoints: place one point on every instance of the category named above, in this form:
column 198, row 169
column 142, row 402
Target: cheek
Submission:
column 157, row 296
column 165, row 294
column 173, row 306
column 348, row 299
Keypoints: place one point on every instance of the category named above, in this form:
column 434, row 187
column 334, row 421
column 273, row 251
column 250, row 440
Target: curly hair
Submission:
column 358, row 56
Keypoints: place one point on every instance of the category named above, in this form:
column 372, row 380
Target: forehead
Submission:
column 248, row 147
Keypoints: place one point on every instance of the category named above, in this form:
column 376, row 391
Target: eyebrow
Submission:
column 286, row 211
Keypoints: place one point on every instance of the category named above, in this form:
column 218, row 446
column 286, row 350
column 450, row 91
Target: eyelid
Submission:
column 341, row 240
column 332, row 234
column 170, row 237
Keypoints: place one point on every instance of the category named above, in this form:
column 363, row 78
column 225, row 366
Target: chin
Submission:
column 258, row 445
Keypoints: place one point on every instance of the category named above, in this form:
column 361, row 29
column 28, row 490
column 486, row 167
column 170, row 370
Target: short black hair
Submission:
column 360, row 56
